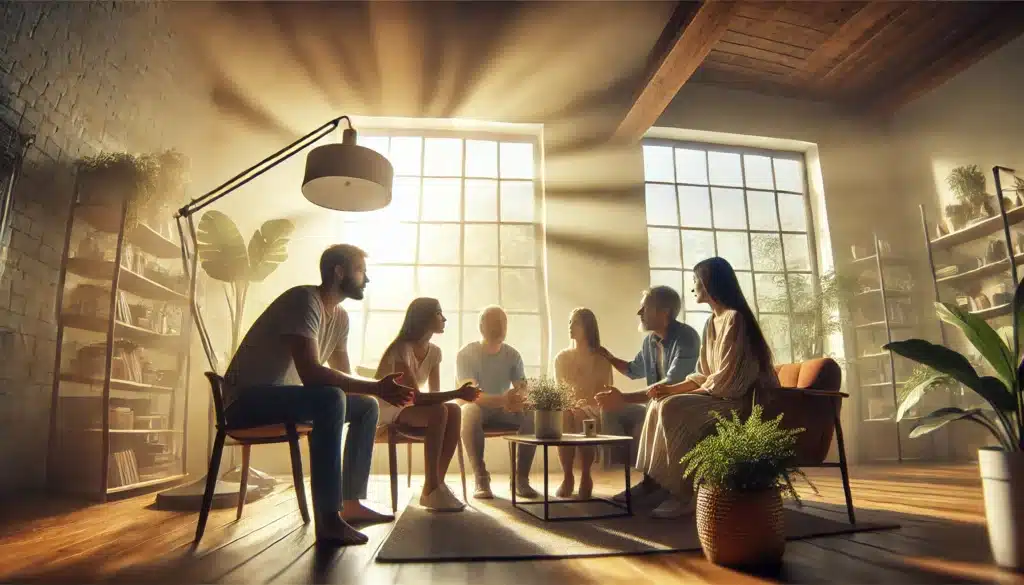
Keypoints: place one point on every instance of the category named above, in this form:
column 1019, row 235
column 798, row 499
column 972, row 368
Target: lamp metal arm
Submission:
column 262, row 166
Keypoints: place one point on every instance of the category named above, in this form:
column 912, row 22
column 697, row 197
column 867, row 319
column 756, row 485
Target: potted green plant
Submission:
column 148, row 182
column 1001, row 466
column 741, row 473
column 224, row 256
column 549, row 399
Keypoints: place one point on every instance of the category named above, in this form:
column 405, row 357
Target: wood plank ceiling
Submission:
column 876, row 55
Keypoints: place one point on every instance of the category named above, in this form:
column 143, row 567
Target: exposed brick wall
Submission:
column 80, row 77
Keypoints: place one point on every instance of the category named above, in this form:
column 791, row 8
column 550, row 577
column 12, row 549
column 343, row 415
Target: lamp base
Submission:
column 189, row 496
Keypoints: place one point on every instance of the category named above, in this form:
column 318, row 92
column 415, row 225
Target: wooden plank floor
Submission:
column 940, row 508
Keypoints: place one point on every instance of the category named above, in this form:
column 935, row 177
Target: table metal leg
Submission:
column 629, row 496
column 545, row 482
column 512, row 476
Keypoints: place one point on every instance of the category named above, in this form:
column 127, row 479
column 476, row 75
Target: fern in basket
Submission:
column 551, row 394
column 746, row 456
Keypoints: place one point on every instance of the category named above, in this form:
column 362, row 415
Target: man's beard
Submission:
column 349, row 289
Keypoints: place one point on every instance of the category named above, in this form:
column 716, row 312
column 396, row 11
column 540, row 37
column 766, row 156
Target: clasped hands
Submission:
column 391, row 390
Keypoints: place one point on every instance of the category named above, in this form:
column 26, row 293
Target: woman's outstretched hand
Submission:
column 468, row 392
column 611, row 399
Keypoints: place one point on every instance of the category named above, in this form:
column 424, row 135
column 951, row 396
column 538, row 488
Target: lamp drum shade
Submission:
column 347, row 177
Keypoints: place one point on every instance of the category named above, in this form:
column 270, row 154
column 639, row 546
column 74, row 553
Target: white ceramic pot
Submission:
column 1002, row 483
column 547, row 424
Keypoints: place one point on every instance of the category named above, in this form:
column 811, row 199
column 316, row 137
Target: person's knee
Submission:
column 363, row 405
column 333, row 399
column 437, row 414
column 471, row 413
column 454, row 413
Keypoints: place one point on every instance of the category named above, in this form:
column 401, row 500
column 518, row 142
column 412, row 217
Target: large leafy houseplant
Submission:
column 1001, row 468
column 1001, row 391
column 225, row 256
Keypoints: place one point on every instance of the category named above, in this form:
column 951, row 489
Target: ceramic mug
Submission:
column 590, row 427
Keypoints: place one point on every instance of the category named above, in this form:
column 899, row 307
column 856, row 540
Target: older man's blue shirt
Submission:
column 681, row 348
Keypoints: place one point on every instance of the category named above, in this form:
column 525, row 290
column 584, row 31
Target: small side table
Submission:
column 569, row 440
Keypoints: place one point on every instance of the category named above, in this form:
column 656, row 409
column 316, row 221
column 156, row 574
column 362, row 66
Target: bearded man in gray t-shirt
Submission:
column 278, row 376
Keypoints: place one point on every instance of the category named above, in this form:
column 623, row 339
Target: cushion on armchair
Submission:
column 815, row 413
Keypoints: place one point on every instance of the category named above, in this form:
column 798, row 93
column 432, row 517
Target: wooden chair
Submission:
column 810, row 399
column 247, row 437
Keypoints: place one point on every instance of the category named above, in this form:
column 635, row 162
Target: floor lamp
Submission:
column 341, row 177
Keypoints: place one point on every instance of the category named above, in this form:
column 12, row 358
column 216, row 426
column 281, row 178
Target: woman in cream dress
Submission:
column 586, row 372
column 418, row 361
column 734, row 359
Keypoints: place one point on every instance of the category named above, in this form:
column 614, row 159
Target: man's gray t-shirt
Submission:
column 264, row 357
column 494, row 372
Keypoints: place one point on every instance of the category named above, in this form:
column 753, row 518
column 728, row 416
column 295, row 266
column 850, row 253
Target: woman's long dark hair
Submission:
column 720, row 283
column 418, row 319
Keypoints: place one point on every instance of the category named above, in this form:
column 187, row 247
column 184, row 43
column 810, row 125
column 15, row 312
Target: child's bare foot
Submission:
column 565, row 490
column 339, row 533
column 586, row 487
column 354, row 512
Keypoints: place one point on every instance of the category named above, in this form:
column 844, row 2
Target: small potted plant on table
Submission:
column 549, row 399
column 740, row 474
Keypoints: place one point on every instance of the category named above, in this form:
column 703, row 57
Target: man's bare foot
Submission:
column 568, row 484
column 586, row 487
column 339, row 533
column 354, row 512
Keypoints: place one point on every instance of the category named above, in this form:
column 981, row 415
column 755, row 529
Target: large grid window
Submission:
column 462, row 227
column 747, row 206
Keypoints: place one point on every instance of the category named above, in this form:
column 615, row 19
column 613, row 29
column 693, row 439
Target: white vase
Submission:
column 547, row 424
column 1002, row 483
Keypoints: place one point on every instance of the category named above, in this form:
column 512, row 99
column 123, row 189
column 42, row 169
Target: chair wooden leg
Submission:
column 462, row 471
column 243, row 483
column 300, row 487
column 845, row 471
column 211, row 485
column 408, row 464
column 393, row 469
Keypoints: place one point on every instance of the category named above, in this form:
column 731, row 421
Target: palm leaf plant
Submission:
column 225, row 256
column 1002, row 391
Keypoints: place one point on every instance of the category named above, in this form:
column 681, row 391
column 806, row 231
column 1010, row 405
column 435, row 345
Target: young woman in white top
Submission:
column 418, row 361
column 587, row 372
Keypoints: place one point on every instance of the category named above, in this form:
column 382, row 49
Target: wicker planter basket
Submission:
column 741, row 528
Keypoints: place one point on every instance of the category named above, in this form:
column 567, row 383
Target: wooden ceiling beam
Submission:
column 1005, row 24
column 859, row 24
column 682, row 47
column 845, row 66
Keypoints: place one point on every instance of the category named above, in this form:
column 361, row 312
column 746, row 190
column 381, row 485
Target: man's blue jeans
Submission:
column 328, row 409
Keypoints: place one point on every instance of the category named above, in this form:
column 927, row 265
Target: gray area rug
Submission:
column 494, row 530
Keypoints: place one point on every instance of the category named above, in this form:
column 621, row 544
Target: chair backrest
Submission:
column 217, row 390
column 818, row 373
column 815, row 414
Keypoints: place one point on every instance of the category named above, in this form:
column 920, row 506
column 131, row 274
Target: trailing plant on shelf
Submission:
column 151, row 183
column 746, row 456
column 224, row 256
column 1001, row 392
